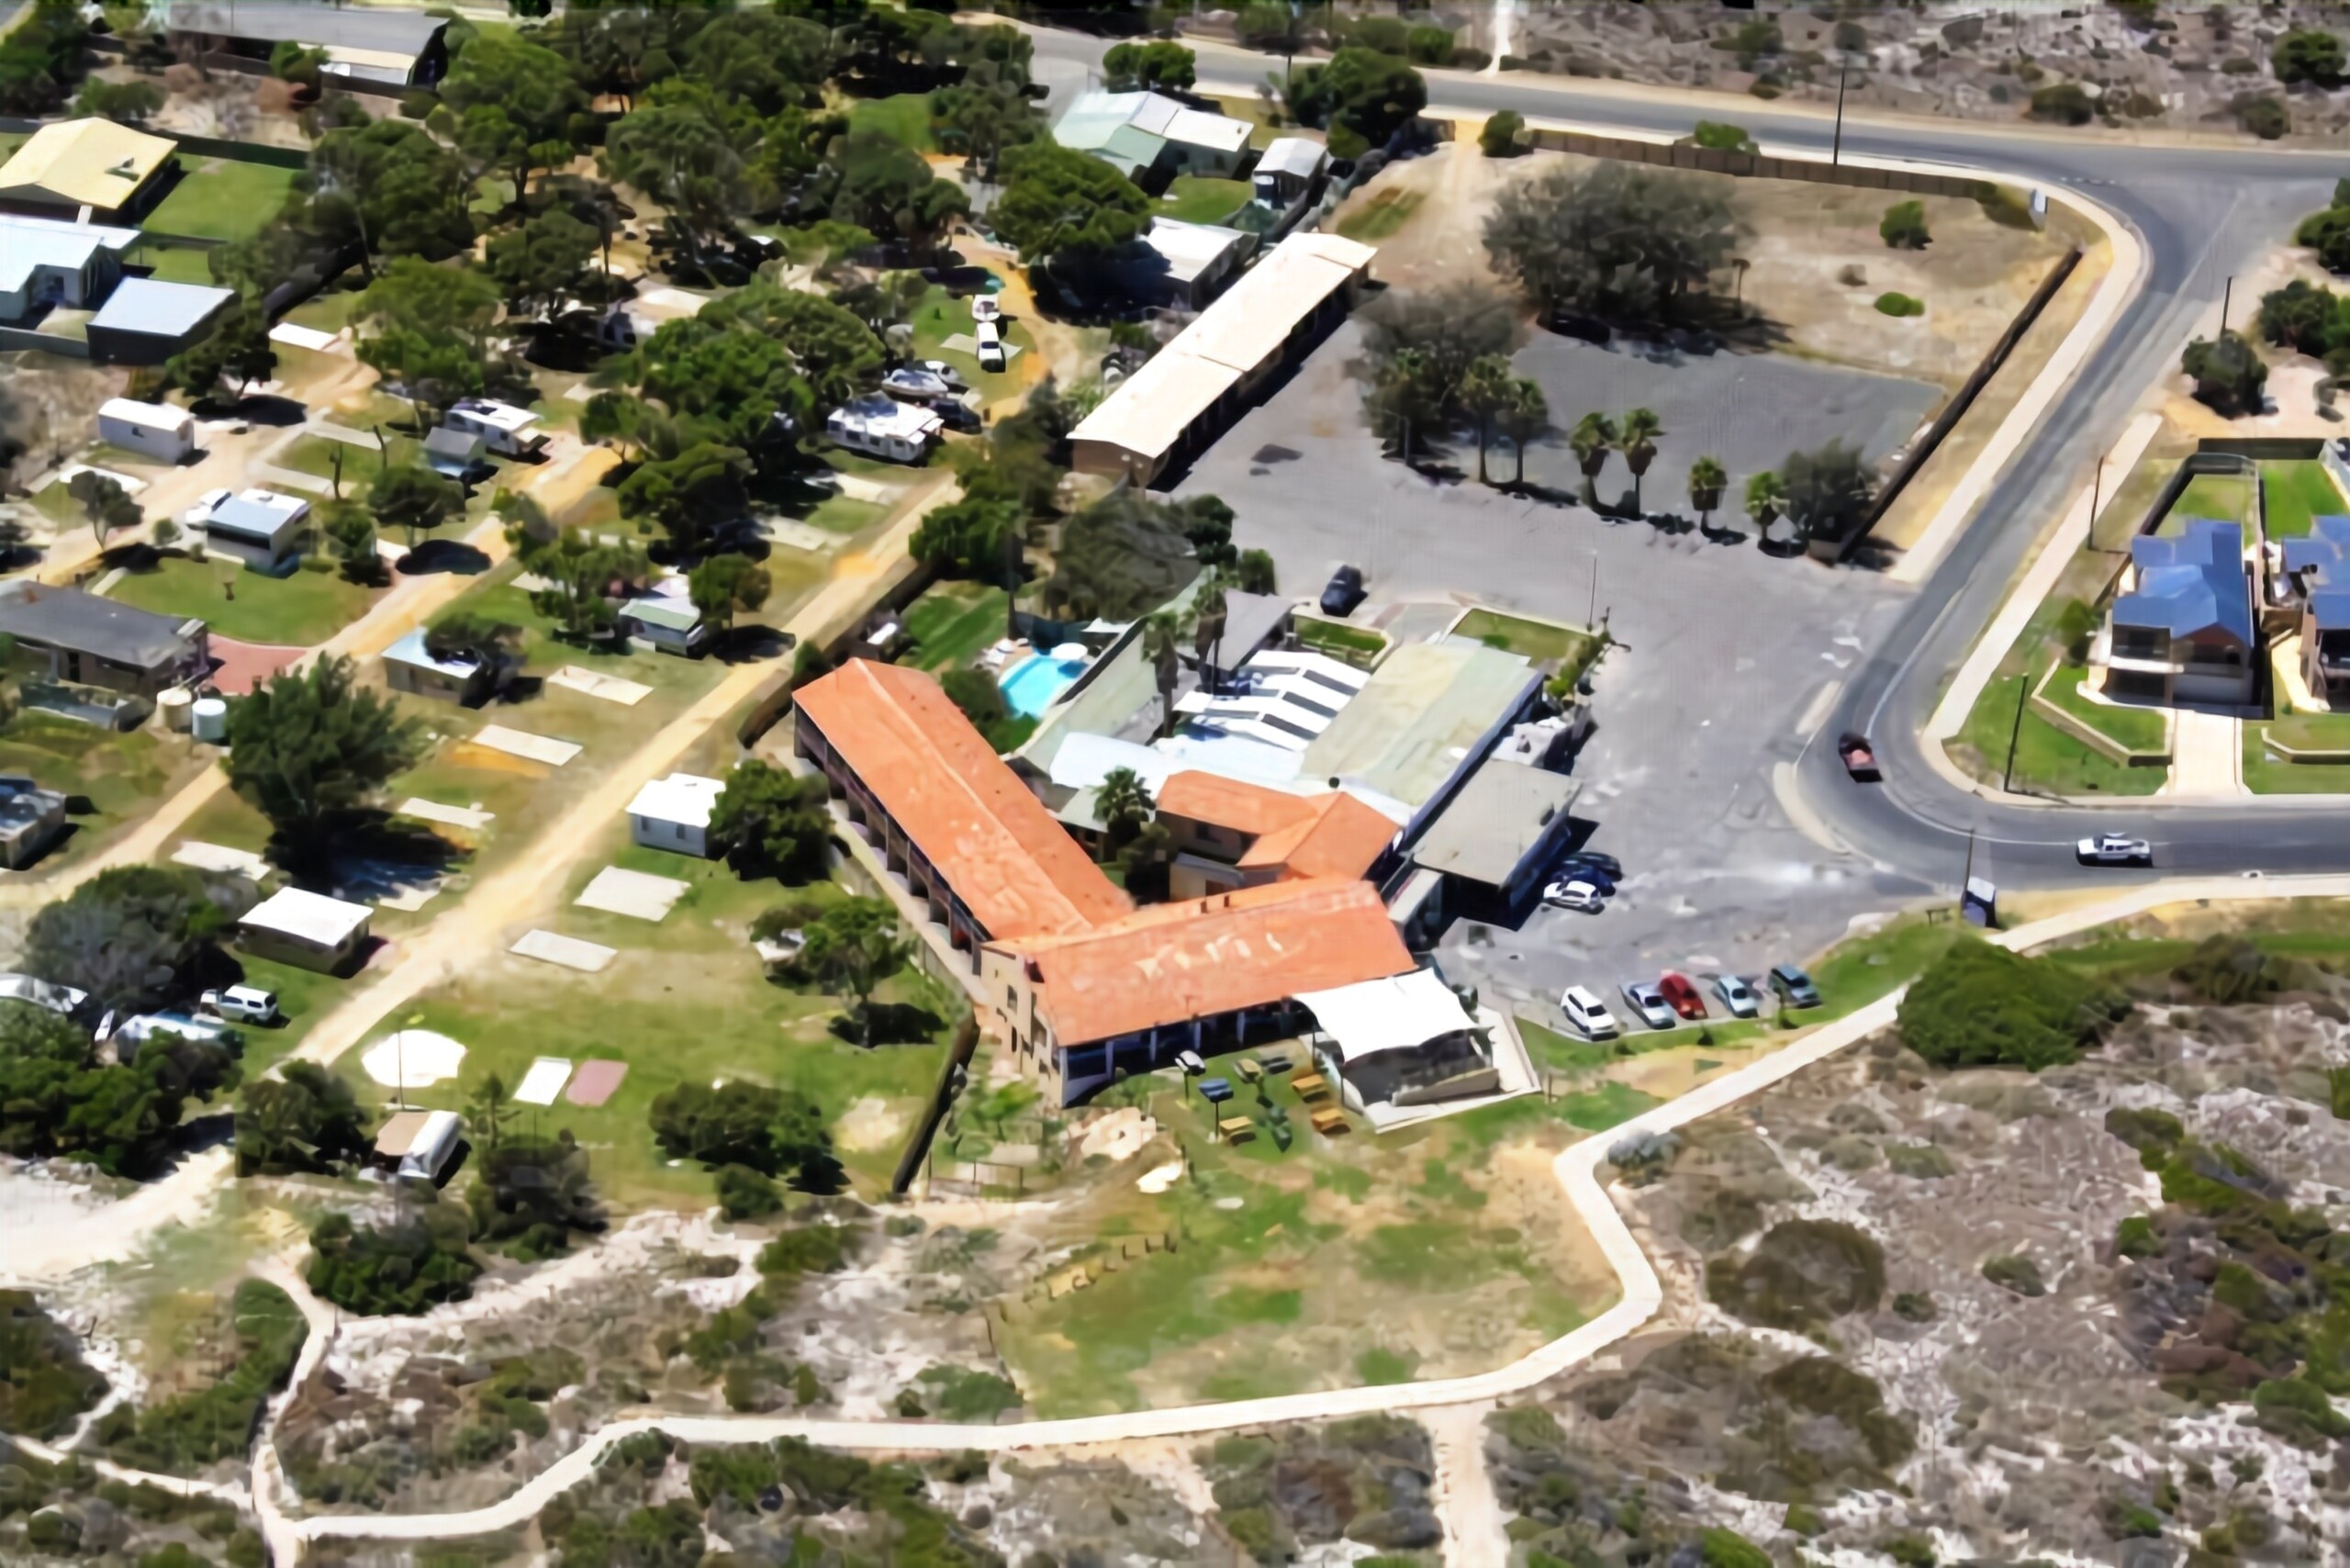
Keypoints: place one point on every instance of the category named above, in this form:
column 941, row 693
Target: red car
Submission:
column 1860, row 761
column 1682, row 996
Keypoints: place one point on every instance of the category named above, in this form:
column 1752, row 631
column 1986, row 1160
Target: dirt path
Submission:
column 1465, row 1503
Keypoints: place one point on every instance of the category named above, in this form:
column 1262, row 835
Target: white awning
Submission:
column 1401, row 1013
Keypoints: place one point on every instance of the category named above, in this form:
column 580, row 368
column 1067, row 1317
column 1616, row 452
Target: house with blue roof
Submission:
column 2182, row 628
column 2315, row 570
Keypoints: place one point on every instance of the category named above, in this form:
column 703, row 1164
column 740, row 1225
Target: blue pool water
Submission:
column 1030, row 686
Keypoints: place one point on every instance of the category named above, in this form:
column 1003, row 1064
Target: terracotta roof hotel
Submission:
column 1080, row 983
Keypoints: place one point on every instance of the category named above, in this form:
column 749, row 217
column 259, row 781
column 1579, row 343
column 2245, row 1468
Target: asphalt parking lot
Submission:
column 1720, row 652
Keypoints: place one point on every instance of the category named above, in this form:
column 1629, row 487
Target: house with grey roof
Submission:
column 45, row 261
column 80, row 638
column 261, row 528
column 2181, row 630
column 2314, row 577
column 381, row 47
column 1141, row 133
column 147, row 321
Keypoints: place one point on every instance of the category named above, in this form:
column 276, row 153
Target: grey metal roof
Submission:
column 1249, row 621
column 159, row 309
column 2190, row 583
column 1298, row 155
column 2330, row 609
column 1495, row 821
column 82, row 623
column 270, row 21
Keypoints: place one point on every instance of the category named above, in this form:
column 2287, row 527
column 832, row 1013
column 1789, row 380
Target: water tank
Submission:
column 174, row 706
column 209, row 719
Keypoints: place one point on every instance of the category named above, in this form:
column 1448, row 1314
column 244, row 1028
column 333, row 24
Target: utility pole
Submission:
column 1836, row 148
column 1591, row 615
column 2227, row 298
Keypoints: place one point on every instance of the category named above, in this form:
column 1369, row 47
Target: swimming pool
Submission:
column 1030, row 686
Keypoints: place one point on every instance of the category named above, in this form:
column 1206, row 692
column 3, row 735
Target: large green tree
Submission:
column 419, row 1260
column 687, row 496
column 683, row 160
column 1362, row 95
column 412, row 497
column 1615, row 241
column 133, row 937
column 543, row 261
column 390, row 186
column 518, row 96
column 428, row 330
column 235, row 348
column 740, row 389
column 853, row 946
column 306, row 1120
column 768, row 822
column 579, row 575
column 1154, row 63
column 966, row 538
column 1828, row 490
column 884, row 186
column 1059, row 204
column 835, row 353
column 723, row 585
column 311, row 748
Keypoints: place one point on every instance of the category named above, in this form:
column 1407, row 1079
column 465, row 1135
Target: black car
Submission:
column 1794, row 985
column 1588, row 328
column 1344, row 592
column 1593, row 860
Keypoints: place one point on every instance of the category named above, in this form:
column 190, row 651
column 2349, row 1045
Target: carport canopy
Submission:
column 1400, row 1013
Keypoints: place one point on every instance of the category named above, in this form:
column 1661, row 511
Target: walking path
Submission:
column 1458, row 1402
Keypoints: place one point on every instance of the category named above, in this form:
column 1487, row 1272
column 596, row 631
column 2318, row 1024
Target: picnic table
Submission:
column 1249, row 1070
column 1310, row 1085
column 1231, row 1129
column 1331, row 1122
column 1274, row 1062
column 1216, row 1091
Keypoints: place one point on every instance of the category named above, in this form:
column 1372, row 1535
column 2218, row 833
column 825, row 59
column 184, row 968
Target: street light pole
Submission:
column 1836, row 148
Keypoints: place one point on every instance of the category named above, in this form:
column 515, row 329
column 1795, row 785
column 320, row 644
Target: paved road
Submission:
column 2203, row 209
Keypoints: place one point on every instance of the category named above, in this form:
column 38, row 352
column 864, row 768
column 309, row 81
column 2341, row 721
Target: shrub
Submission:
column 1717, row 136
column 2263, row 116
column 1983, row 1006
column 1803, row 1272
column 2228, row 376
column 2063, row 103
column 744, row 1193
column 1719, row 1548
column 2309, row 54
column 1911, row 1306
column 2135, row 1237
column 1504, row 135
column 2015, row 1273
column 416, row 1262
column 1899, row 305
column 2328, row 233
column 2230, row 970
column 1904, row 226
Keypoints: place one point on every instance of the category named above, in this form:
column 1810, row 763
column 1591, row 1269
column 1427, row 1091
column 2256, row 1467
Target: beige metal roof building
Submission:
column 75, row 164
column 1171, row 407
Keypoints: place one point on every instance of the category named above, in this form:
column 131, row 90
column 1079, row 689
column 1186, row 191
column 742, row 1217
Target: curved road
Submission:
column 2202, row 209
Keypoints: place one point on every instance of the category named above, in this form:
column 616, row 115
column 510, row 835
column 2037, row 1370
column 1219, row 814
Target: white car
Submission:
column 991, row 356
column 248, row 1002
column 1648, row 1004
column 2113, row 849
column 985, row 311
column 205, row 505
column 1738, row 996
column 1586, row 1012
column 944, row 372
column 1575, row 894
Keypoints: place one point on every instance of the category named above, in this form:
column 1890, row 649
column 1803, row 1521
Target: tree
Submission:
column 581, row 575
column 746, row 1124
column 1504, row 135
column 412, row 497
column 418, row 1261
column 1256, row 566
column 2307, row 320
column 770, row 822
column 310, row 748
column 977, row 693
column 1829, row 490
column 1591, row 441
column 830, row 349
column 725, row 584
column 104, row 504
column 686, row 494
column 1487, row 388
column 543, row 262
column 1635, row 439
column 42, row 57
column 1524, row 417
column 299, row 65
column 530, row 1193
column 883, row 185
column 684, row 160
column 391, row 187
column 133, row 935
column 482, row 639
column 966, row 538
column 764, row 59
column 1904, row 226
column 1618, row 241
column 740, row 390
column 304, row 1121
column 2310, row 55
column 1158, row 64
column 1126, row 808
column 1707, row 479
column 1123, row 556
column 236, row 347
column 744, row 1193
column 522, row 96
column 1766, row 497
column 982, row 116
column 2328, row 233
column 853, row 946
column 1364, row 98
column 1450, row 328
column 129, row 102
column 2228, row 375
column 349, row 530
column 1208, row 614
column 1978, row 1005
column 1062, row 204
column 1162, row 644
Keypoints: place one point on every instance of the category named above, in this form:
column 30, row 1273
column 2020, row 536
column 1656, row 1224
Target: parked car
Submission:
column 1860, row 761
column 1794, row 986
column 2114, row 849
column 944, row 372
column 1583, row 897
column 1343, row 591
column 248, row 1003
column 1648, row 1004
column 991, row 356
column 205, row 505
column 1587, row 1013
column 1680, row 993
column 1584, row 861
column 1738, row 996
column 916, row 384
column 985, row 308
column 1588, row 329
column 1582, row 871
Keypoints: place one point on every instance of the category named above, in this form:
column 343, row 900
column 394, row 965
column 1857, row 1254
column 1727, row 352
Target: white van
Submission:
column 1586, row 1012
column 248, row 1002
column 990, row 337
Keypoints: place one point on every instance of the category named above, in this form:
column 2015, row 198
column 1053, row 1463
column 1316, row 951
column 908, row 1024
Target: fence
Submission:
column 1757, row 165
column 19, row 338
column 1132, row 1249
column 2088, row 735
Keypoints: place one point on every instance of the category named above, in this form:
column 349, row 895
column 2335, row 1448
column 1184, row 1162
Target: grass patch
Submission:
column 2264, row 774
column 951, row 622
column 55, row 503
column 2138, row 729
column 120, row 777
column 177, row 263
column 1382, row 216
column 1535, row 640
column 2295, row 492
column 221, row 198
column 839, row 514
column 326, row 312
column 1606, row 1105
column 300, row 611
column 305, row 997
column 942, row 316
column 1198, row 199
column 315, row 455
column 2046, row 758
column 2227, row 497
column 1350, row 644
column 904, row 117
column 1899, row 305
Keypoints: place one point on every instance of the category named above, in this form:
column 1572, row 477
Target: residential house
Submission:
column 307, row 930
column 1145, row 133
column 78, row 169
column 2181, row 630
column 503, row 427
column 454, row 452
column 668, row 623
column 145, row 322
column 152, row 430
column 1182, row 266
column 410, row 666
column 882, row 427
column 1228, row 833
column 46, row 263
column 418, row 1145
column 381, row 47
column 673, row 813
column 261, row 528
column 31, row 819
column 1289, row 172
column 2316, row 578
column 80, row 638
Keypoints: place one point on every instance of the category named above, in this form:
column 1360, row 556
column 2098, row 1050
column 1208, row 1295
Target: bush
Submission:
column 1984, row 1006
column 1504, row 135
column 2228, row 376
column 216, row 1422
column 1717, row 135
column 2015, row 1273
column 418, row 1261
column 2227, row 971
column 1904, row 226
column 1802, row 1274
column 744, row 1193
column 2310, row 55
column 740, row 1123
column 2263, row 116
column 44, row 1382
column 1899, row 305
column 2135, row 1237
column 2328, row 233
column 2063, row 103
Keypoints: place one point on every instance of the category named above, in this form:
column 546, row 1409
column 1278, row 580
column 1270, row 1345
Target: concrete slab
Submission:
column 568, row 952
column 795, row 535
column 311, row 338
column 412, row 1058
column 605, row 687
column 219, row 857
column 450, row 816
column 409, row 900
column 640, row 895
column 543, row 1082
column 522, row 743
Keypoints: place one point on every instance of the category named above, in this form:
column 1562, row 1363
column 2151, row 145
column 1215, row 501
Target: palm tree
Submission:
column 1707, row 479
column 1591, row 441
column 490, row 1109
column 1525, row 415
column 1485, row 390
column 1637, row 441
column 1124, row 807
column 1766, row 496
column 1207, row 630
column 1162, row 642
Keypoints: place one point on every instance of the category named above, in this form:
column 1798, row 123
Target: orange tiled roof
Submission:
column 1015, row 867
column 1229, row 802
column 1340, row 837
column 1171, row 963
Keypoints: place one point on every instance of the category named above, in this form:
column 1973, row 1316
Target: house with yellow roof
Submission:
column 111, row 170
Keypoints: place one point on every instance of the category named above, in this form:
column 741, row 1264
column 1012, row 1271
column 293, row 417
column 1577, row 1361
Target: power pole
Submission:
column 1836, row 148
column 2227, row 298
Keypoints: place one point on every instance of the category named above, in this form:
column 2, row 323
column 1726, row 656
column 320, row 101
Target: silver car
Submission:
column 1738, row 996
column 1648, row 1004
column 2114, row 849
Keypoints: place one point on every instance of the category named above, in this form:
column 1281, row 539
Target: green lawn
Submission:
column 2046, row 758
column 1536, row 640
column 328, row 312
column 361, row 464
column 1351, row 644
column 951, row 622
column 301, row 611
column 1382, row 216
column 303, row 995
column 2224, row 495
column 119, row 776
column 55, row 503
column 220, row 198
column 2264, row 774
column 942, row 316
column 1196, row 198
column 839, row 514
column 905, row 118
column 177, row 263
column 2138, row 729
column 2294, row 492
